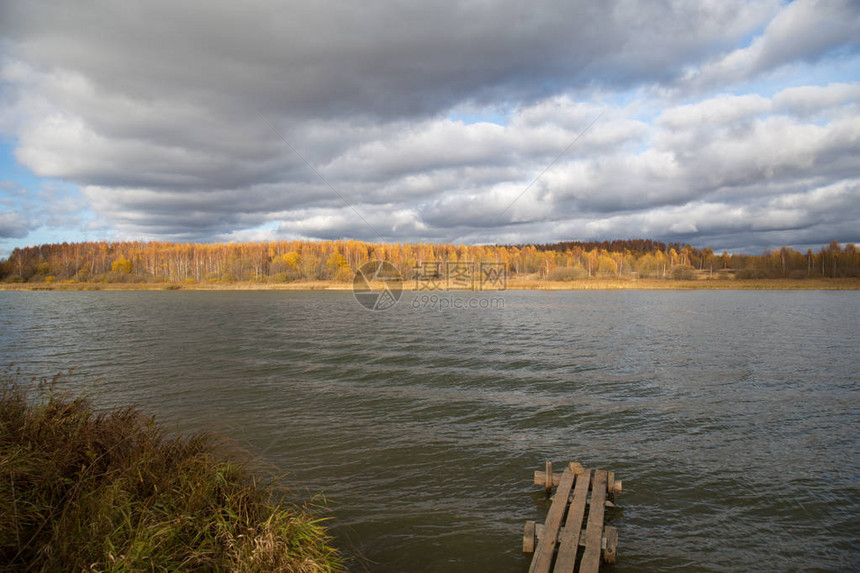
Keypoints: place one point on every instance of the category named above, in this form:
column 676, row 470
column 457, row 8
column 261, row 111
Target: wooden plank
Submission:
column 542, row 560
column 594, row 531
column 568, row 542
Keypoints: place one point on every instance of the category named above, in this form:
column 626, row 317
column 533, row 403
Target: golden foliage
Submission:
column 287, row 261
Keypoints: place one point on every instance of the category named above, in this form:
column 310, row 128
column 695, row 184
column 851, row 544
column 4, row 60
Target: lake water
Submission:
column 731, row 416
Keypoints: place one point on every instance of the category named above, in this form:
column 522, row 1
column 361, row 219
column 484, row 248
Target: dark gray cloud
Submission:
column 202, row 121
column 383, row 58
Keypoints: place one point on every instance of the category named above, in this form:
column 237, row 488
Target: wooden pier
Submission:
column 556, row 543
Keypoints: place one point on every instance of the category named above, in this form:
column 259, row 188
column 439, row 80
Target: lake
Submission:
column 731, row 416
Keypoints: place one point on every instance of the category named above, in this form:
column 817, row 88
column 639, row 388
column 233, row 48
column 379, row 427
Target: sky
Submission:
column 721, row 123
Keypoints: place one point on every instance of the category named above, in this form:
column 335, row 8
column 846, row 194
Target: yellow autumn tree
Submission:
column 292, row 259
column 606, row 266
column 338, row 268
column 122, row 265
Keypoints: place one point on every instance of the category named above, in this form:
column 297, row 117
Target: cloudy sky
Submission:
column 720, row 123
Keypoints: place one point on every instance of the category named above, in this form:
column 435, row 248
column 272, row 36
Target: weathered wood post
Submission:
column 548, row 479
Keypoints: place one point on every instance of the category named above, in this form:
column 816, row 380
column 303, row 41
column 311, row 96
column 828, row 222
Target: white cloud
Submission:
column 721, row 110
column 802, row 31
column 810, row 101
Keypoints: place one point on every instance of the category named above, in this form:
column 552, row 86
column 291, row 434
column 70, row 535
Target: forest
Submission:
column 290, row 261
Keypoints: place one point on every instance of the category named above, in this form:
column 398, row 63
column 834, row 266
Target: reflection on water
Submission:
column 730, row 416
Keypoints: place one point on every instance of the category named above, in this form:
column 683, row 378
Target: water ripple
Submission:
column 731, row 416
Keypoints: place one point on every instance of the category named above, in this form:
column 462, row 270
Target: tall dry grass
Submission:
column 109, row 491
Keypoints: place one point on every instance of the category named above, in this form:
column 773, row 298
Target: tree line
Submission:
column 287, row 261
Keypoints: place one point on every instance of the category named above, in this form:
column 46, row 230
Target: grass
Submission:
column 82, row 490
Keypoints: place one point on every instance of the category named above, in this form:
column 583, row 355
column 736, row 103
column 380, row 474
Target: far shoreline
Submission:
column 513, row 284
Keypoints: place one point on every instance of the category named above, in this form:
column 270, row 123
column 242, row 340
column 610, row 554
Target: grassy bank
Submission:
column 711, row 284
column 81, row 490
column 513, row 283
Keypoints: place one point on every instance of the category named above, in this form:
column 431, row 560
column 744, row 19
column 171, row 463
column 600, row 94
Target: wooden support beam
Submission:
column 608, row 543
column 540, row 475
column 542, row 560
column 540, row 478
